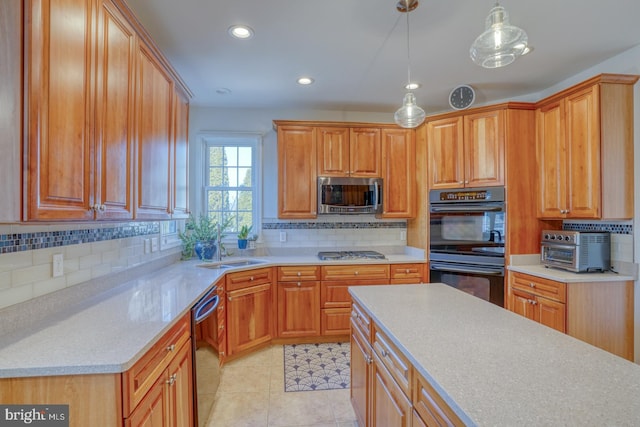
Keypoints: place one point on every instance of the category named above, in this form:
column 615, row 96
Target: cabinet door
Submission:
column 365, row 152
column 333, row 151
column 484, row 135
column 520, row 303
column 249, row 318
column 360, row 365
column 550, row 313
column 181, row 388
column 298, row 309
column 552, row 160
column 154, row 122
column 445, row 153
column 59, row 109
column 398, row 173
column 180, row 157
column 114, row 115
column 297, row 189
column 152, row 410
column 583, row 151
column 390, row 406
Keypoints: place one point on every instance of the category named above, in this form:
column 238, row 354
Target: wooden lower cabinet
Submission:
column 538, row 299
column 361, row 359
column 390, row 407
column 298, row 309
column 429, row 409
column 249, row 318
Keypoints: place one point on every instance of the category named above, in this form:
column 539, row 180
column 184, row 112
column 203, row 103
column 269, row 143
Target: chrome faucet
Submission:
column 218, row 244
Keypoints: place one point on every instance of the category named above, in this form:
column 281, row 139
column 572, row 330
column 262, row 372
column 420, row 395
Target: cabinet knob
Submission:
column 221, row 327
column 407, row 271
column 355, row 272
column 229, row 298
column 534, row 302
column 299, row 284
column 299, row 274
column 171, row 347
column 251, row 278
column 172, row 379
column 383, row 352
column 531, row 284
column 354, row 315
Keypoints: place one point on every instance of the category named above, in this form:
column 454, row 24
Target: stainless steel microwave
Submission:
column 349, row 196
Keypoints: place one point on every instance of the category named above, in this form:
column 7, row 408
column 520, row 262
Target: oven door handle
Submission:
column 480, row 270
column 443, row 209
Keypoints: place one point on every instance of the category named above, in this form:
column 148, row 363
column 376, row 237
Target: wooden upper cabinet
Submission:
column 445, row 152
column 399, row 183
column 180, row 157
column 365, row 152
column 58, row 110
column 154, row 137
column 297, row 190
column 467, row 151
column 484, row 145
column 114, row 144
column 585, row 150
column 333, row 151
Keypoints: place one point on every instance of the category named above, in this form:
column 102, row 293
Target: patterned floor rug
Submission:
column 310, row 367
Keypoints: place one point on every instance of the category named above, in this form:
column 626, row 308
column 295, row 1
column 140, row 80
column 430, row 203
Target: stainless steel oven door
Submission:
column 483, row 281
column 559, row 255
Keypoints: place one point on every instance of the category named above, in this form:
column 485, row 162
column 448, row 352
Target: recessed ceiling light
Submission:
column 412, row 86
column 241, row 32
column 305, row 81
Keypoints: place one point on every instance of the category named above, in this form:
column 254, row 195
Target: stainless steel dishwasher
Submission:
column 206, row 367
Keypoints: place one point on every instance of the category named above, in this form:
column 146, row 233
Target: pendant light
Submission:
column 410, row 115
column 501, row 43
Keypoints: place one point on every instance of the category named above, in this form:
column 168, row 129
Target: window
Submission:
column 231, row 164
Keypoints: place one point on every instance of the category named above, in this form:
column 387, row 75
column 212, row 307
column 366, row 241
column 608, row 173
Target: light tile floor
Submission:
column 251, row 393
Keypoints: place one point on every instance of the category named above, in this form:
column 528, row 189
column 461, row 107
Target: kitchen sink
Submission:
column 231, row 263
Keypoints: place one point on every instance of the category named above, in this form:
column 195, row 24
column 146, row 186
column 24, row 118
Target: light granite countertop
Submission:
column 496, row 368
column 109, row 330
column 530, row 264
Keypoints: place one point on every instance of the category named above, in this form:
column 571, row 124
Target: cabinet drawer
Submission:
column 551, row 289
column 139, row 379
column 361, row 321
column 296, row 273
column 357, row 272
column 430, row 406
column 395, row 362
column 335, row 321
column 407, row 271
column 242, row 279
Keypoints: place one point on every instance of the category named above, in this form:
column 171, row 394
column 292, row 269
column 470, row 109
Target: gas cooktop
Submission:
column 340, row 255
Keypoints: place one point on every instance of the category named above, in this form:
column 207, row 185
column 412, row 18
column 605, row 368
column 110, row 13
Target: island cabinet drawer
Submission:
column 406, row 273
column 355, row 272
column 146, row 371
column 430, row 405
column 539, row 286
column 361, row 321
column 297, row 273
column 395, row 362
column 243, row 279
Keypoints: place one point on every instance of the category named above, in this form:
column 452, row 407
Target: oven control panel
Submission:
column 560, row 236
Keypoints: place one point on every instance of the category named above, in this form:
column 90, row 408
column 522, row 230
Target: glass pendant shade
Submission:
column 501, row 43
column 409, row 115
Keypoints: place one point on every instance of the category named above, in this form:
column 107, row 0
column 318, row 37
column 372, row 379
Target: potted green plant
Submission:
column 200, row 237
column 243, row 235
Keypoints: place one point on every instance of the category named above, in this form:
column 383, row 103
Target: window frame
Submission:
column 238, row 139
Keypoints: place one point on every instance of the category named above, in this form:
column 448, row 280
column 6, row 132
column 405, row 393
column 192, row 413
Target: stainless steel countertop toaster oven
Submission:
column 576, row 251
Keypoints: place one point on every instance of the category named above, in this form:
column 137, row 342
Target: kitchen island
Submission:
column 493, row 367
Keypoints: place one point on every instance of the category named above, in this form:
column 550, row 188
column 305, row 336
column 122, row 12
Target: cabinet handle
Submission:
column 407, row 271
column 299, row 274
column 229, row 298
column 171, row 347
column 221, row 327
column 368, row 359
column 172, row 379
column 251, row 278
column 531, row 284
column 383, row 352
column 299, row 284
column 466, row 182
column 534, row 302
column 355, row 272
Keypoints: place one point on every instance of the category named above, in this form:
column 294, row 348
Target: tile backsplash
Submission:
column 621, row 236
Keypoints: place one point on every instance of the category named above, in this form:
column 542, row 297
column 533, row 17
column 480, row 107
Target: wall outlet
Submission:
column 147, row 246
column 403, row 235
column 58, row 265
column 154, row 244
column 283, row 236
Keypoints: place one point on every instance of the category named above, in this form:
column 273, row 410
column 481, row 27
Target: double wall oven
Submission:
column 467, row 240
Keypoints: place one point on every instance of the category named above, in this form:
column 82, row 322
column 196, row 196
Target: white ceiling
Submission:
column 356, row 49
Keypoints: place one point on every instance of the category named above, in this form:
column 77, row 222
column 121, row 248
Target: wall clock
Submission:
column 462, row 97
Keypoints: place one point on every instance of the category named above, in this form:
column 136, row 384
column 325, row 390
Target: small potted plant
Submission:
column 243, row 235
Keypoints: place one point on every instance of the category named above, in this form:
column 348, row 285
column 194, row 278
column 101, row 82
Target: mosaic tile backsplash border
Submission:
column 615, row 228
column 18, row 242
column 331, row 225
